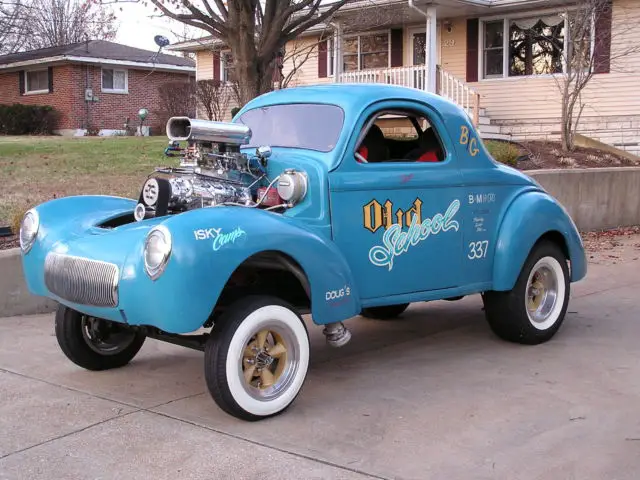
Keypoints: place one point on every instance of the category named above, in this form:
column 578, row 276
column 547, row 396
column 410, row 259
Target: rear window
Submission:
column 308, row 126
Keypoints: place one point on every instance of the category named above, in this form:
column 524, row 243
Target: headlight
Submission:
column 157, row 250
column 29, row 230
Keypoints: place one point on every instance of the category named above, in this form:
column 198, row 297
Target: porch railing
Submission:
column 413, row 77
column 454, row 89
column 447, row 85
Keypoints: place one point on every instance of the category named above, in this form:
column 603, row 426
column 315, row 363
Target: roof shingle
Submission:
column 99, row 49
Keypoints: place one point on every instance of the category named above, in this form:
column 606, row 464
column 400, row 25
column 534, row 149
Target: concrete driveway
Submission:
column 431, row 395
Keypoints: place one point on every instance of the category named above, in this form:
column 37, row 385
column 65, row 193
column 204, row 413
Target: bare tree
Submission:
column 34, row 24
column 177, row 99
column 213, row 97
column 587, row 51
column 254, row 30
column 61, row 22
column 13, row 15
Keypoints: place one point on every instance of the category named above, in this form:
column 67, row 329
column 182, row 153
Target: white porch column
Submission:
column 431, row 49
column 337, row 50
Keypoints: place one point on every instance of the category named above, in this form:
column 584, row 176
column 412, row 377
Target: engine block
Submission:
column 212, row 169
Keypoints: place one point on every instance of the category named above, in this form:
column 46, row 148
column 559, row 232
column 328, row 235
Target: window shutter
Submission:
column 21, row 80
column 322, row 59
column 216, row 66
column 396, row 47
column 602, row 46
column 50, row 75
column 473, row 29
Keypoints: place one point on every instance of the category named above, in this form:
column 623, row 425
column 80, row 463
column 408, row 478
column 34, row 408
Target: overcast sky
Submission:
column 138, row 27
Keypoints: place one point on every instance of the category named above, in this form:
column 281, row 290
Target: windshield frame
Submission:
column 336, row 137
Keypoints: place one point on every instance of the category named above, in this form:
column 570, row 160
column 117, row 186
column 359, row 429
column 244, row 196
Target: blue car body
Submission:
column 364, row 235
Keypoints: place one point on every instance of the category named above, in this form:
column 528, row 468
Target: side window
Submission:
column 399, row 136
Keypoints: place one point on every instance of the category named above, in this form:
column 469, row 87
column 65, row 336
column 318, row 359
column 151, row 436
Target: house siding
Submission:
column 204, row 62
column 529, row 108
column 111, row 109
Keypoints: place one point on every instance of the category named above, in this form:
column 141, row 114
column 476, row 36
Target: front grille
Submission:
column 82, row 281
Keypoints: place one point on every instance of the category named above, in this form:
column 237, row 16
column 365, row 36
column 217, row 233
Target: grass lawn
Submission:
column 36, row 169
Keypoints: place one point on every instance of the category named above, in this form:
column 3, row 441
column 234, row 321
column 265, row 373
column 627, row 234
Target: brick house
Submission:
column 95, row 84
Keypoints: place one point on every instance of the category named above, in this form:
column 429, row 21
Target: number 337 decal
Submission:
column 478, row 249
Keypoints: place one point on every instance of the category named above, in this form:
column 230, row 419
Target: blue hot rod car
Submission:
column 338, row 200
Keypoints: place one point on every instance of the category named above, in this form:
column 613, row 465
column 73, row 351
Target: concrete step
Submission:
column 484, row 120
column 488, row 128
column 495, row 136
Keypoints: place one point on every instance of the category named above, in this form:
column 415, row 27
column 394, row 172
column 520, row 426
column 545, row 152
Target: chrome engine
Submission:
column 212, row 169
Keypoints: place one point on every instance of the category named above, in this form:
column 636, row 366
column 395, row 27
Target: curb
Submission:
column 15, row 298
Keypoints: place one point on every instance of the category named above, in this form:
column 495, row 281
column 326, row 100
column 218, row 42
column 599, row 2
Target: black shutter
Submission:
column 50, row 75
column 21, row 80
column 216, row 66
column 602, row 47
column 473, row 29
column 322, row 59
column 396, row 47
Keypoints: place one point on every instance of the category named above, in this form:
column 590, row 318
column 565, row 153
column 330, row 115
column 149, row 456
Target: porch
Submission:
column 416, row 76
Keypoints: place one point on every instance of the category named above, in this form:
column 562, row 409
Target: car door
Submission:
column 398, row 221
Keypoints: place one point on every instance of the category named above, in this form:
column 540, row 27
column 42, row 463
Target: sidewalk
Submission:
column 431, row 395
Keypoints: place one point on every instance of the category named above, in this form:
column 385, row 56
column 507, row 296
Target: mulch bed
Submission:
column 540, row 154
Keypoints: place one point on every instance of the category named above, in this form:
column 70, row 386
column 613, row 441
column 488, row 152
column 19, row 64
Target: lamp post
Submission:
column 142, row 114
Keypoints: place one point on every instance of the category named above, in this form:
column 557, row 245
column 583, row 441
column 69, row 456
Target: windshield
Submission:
column 308, row 126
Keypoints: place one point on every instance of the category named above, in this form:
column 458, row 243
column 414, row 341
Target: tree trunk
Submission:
column 252, row 75
column 567, row 144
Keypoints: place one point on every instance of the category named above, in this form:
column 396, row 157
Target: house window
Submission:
column 536, row 45
column 37, row 81
column 517, row 47
column 493, row 49
column 115, row 81
column 361, row 52
column 226, row 67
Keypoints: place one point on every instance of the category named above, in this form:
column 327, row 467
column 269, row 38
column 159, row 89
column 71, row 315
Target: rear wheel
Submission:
column 256, row 358
column 384, row 313
column 94, row 343
column 533, row 311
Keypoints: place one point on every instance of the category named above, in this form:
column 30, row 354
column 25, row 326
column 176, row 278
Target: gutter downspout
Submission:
column 430, row 44
column 337, row 50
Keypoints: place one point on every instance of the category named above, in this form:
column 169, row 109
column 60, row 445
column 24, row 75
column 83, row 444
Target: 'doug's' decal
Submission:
column 395, row 241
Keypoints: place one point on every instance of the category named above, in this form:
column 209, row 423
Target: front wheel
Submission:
column 94, row 343
column 533, row 311
column 256, row 358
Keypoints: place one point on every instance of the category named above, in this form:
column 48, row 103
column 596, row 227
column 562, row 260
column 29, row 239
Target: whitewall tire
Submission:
column 257, row 358
column 533, row 311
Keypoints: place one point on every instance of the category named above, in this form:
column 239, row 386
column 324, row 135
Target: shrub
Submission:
column 503, row 152
column 18, row 119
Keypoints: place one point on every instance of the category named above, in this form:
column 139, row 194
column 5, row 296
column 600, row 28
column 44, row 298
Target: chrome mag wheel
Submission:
column 105, row 337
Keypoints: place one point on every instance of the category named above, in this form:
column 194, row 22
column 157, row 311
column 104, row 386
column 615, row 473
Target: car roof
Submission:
column 352, row 98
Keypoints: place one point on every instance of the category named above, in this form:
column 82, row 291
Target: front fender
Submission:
column 200, row 267
column 529, row 217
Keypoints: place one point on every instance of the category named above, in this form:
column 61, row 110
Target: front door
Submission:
column 396, row 217
column 419, row 45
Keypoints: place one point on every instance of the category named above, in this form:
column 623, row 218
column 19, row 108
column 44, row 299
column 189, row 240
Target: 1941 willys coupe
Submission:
column 309, row 201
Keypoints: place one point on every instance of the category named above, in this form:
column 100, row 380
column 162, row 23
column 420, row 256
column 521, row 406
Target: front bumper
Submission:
column 100, row 272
